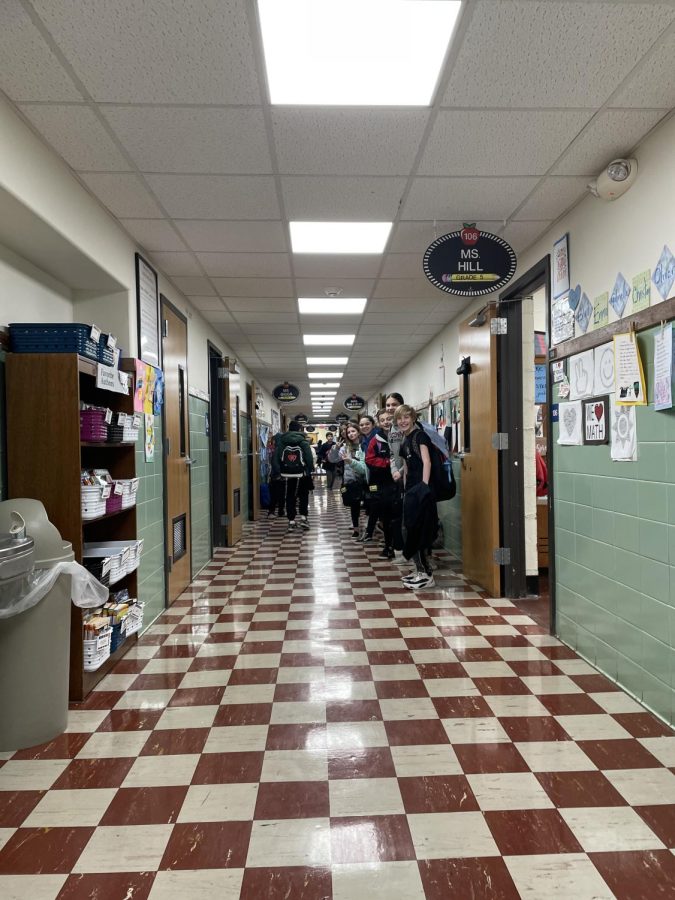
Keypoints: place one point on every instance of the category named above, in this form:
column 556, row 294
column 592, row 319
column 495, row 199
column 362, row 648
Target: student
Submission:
column 277, row 483
column 381, row 485
column 392, row 403
column 354, row 479
column 420, row 519
column 366, row 426
column 294, row 461
column 329, row 465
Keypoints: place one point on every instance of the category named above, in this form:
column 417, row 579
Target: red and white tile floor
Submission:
column 300, row 726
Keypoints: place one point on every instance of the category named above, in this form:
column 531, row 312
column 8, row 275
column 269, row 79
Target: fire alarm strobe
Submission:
column 469, row 262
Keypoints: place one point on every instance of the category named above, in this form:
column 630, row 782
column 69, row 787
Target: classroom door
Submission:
column 176, row 450
column 480, row 473
column 233, row 455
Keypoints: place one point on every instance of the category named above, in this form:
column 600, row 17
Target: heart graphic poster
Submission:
column 570, row 424
column 596, row 425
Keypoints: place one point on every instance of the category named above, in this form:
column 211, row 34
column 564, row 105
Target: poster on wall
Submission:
column 642, row 290
column 560, row 268
column 584, row 313
column 596, row 426
column 562, row 321
column 620, row 295
column 540, row 384
column 604, row 369
column 274, row 415
column 624, row 432
column 581, row 374
column 663, row 368
column 629, row 374
column 149, row 437
column 147, row 310
column 664, row 273
column 569, row 418
column 601, row 310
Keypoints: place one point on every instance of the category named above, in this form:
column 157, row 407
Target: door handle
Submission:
column 189, row 460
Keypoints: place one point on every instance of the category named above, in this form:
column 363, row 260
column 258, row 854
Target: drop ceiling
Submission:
column 161, row 109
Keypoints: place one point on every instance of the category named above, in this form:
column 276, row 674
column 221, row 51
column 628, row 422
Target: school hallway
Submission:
column 299, row 725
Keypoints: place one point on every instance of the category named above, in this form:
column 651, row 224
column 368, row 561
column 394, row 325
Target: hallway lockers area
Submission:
column 300, row 725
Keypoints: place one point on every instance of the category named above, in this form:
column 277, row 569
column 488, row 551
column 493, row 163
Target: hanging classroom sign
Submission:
column 309, row 428
column 469, row 262
column 301, row 418
column 354, row 403
column 342, row 418
column 285, row 393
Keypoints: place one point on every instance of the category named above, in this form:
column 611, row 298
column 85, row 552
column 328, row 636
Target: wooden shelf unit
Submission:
column 45, row 457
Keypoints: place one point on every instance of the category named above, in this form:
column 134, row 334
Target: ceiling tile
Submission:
column 521, row 234
column 233, row 237
column 261, row 321
column 172, row 51
column 315, row 141
column 191, row 284
column 217, row 196
column 177, row 263
column 415, row 237
column 217, row 315
column 402, row 309
column 206, row 303
column 125, row 195
column 153, row 234
column 406, row 288
column 551, row 54
column 552, row 198
column 336, row 265
column 222, row 141
column 387, row 327
column 341, row 199
column 268, row 329
column 495, row 142
column 349, row 287
column 402, row 265
column 653, row 83
column 254, row 287
column 29, row 70
column 467, row 199
column 245, row 265
column 276, row 304
column 78, row 136
column 612, row 133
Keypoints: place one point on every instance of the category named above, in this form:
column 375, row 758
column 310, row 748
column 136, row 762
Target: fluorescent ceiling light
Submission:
column 328, row 340
column 311, row 375
column 331, row 306
column 324, row 384
column 339, row 237
column 327, row 360
column 321, row 416
column 355, row 52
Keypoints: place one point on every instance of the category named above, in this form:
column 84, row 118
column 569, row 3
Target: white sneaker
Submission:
column 291, row 524
column 411, row 576
column 303, row 523
column 399, row 559
column 422, row 583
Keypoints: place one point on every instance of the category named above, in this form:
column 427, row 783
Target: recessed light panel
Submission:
column 328, row 340
column 327, row 360
column 331, row 306
column 355, row 52
column 312, row 375
column 339, row 237
column 324, row 384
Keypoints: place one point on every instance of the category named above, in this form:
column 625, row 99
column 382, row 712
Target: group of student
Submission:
column 393, row 467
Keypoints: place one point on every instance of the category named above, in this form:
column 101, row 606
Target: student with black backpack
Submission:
column 293, row 458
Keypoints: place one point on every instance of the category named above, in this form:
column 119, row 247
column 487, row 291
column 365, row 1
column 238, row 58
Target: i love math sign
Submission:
column 596, row 429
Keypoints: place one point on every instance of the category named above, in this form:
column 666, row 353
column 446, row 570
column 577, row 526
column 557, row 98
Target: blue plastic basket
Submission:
column 59, row 338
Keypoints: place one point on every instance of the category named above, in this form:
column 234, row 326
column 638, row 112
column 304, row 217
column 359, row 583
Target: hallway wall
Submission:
column 200, row 483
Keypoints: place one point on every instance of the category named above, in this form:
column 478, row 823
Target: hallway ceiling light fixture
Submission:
column 328, row 340
column 324, row 384
column 323, row 306
column 327, row 360
column 355, row 52
column 312, row 375
column 321, row 415
column 339, row 237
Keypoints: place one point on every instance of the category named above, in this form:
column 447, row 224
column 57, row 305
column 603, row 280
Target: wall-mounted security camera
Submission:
column 615, row 180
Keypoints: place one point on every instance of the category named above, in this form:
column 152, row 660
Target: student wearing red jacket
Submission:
column 381, row 488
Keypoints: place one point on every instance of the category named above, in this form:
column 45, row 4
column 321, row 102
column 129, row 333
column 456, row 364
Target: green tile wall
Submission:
column 200, row 485
column 243, row 431
column 450, row 514
column 615, row 555
column 150, row 519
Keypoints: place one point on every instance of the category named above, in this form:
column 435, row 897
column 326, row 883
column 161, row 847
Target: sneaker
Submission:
column 303, row 523
column 421, row 583
column 411, row 576
column 399, row 559
column 366, row 540
column 291, row 524
column 355, row 532
column 386, row 553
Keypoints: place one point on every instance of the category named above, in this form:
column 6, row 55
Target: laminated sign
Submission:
column 285, row 393
column 469, row 262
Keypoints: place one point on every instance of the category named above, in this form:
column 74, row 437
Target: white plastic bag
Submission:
column 86, row 591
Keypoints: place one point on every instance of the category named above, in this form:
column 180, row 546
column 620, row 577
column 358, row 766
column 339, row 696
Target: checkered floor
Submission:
column 300, row 726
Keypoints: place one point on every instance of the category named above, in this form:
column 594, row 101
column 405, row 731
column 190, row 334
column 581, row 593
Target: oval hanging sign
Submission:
column 354, row 403
column 285, row 393
column 301, row 418
column 469, row 262
column 342, row 419
column 310, row 428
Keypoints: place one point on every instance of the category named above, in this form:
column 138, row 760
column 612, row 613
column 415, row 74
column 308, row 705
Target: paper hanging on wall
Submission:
column 581, row 374
column 601, row 310
column 570, row 424
column 149, row 437
column 604, row 369
column 596, row 426
column 558, row 371
column 620, row 295
column 624, row 432
column 540, row 384
column 664, row 272
column 642, row 290
column 663, row 368
column 562, row 321
column 560, row 268
column 629, row 376
column 584, row 313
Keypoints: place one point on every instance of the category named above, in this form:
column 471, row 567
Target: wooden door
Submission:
column 233, row 457
column 176, row 450
column 480, row 475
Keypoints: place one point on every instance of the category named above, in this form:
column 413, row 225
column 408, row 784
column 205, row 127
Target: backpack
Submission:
column 292, row 464
column 442, row 480
column 436, row 439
